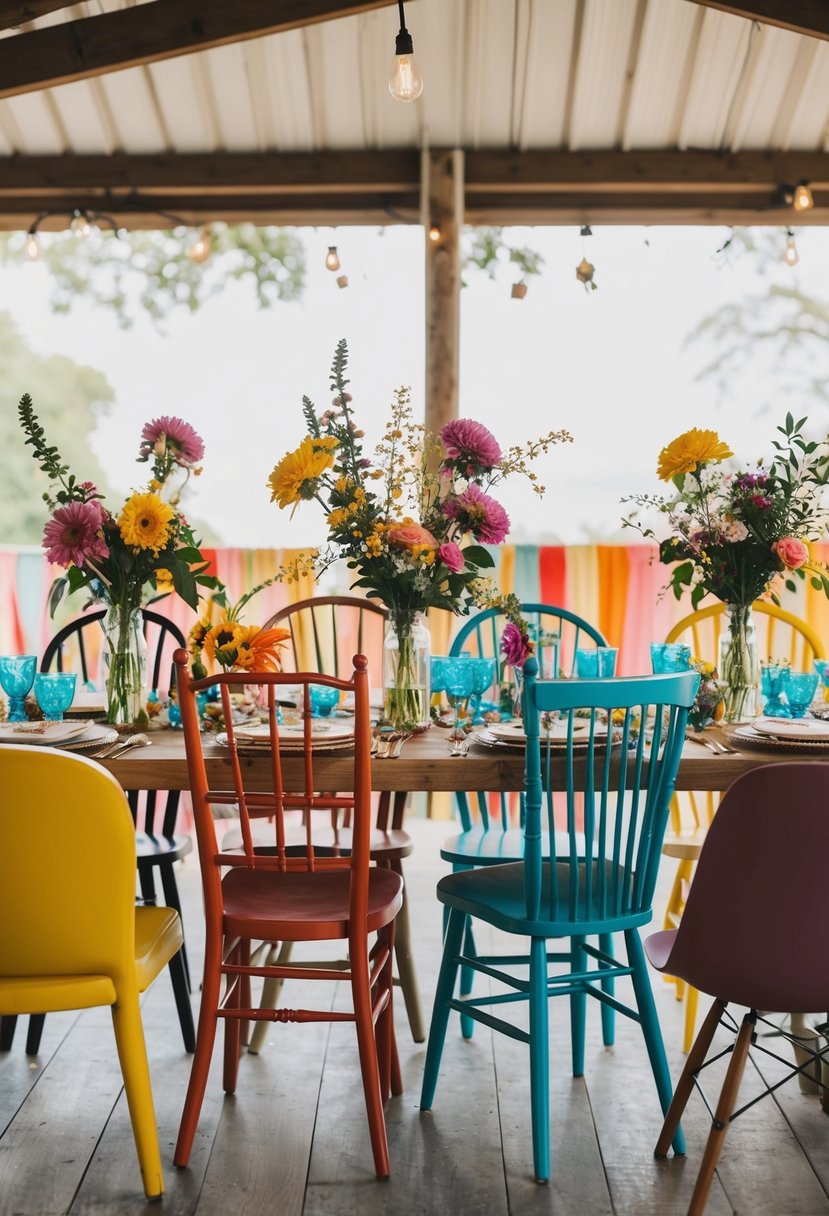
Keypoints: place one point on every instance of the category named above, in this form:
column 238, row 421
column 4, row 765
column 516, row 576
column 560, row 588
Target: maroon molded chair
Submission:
column 747, row 935
column 290, row 894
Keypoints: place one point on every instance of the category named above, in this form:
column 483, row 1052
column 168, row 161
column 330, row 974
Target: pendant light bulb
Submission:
column 803, row 198
column 202, row 246
column 405, row 80
column 332, row 260
column 791, row 257
column 80, row 225
column 32, row 247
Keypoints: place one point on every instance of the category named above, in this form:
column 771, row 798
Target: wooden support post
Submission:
column 442, row 210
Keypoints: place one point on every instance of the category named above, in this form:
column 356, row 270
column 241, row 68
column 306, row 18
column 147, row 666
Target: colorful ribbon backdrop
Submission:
column 616, row 587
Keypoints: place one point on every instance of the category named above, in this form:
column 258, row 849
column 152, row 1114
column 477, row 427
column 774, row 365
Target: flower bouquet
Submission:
column 411, row 521
column 146, row 547
column 736, row 531
column 709, row 702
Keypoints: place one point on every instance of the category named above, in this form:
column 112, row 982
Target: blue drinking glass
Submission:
column 459, row 680
column 437, row 676
column 800, row 691
column 323, row 699
column 483, row 676
column 55, row 691
column 774, row 684
column 670, row 656
column 17, row 674
column 597, row 662
column 821, row 666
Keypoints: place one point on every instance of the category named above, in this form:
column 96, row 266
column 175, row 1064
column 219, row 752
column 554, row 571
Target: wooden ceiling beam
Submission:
column 810, row 17
column 14, row 15
column 77, row 50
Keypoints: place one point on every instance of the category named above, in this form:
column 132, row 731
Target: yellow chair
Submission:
column 71, row 936
column 780, row 635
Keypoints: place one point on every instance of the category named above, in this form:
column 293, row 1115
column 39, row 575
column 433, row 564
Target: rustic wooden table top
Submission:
column 424, row 764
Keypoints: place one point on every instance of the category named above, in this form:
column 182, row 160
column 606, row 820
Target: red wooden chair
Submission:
column 291, row 894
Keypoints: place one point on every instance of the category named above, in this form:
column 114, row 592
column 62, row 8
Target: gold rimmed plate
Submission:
column 747, row 736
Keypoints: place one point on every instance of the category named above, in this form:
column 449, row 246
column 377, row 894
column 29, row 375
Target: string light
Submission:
column 332, row 259
column 803, row 199
column 790, row 256
column 202, row 246
column 405, row 80
column 434, row 234
column 32, row 247
column 80, row 224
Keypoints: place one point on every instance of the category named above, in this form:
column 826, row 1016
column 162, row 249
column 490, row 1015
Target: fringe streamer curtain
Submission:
column 618, row 587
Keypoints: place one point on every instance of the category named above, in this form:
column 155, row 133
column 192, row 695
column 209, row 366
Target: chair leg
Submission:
column 33, row 1036
column 169, row 886
column 181, row 992
column 233, row 1026
column 369, row 1066
column 205, row 1039
column 467, row 977
column 385, row 1023
column 725, row 1105
column 405, row 964
column 270, row 995
column 540, row 1059
column 8, row 1024
column 691, row 1006
column 440, row 1013
column 651, row 1029
column 578, row 1008
column 132, row 1053
column 607, row 985
column 685, row 1084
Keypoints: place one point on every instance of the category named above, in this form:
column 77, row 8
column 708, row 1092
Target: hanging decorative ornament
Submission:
column 584, row 273
column 519, row 290
column 342, row 280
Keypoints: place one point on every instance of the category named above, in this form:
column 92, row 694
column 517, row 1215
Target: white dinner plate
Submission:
column 513, row 732
column 321, row 728
column 42, row 734
column 805, row 730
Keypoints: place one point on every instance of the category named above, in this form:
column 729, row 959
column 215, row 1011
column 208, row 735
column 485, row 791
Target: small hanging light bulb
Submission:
column 405, row 80
column 791, row 257
column 434, row 234
column 803, row 198
column 31, row 249
column 202, row 246
column 80, row 225
column 332, row 259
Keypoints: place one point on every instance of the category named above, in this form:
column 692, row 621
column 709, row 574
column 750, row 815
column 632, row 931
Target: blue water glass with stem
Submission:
column 17, row 674
column 483, row 676
column 323, row 699
column 670, row 656
column 821, row 666
column 800, row 691
column 774, row 684
column 597, row 662
column 55, row 691
column 458, row 675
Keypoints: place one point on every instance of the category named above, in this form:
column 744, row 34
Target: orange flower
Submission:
column 258, row 649
column 411, row 535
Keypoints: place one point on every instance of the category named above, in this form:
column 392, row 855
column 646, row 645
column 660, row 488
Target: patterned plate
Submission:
column 294, row 748
column 747, row 736
column 95, row 737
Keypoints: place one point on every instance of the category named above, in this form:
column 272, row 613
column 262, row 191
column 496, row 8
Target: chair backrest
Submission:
column 275, row 799
column 613, row 856
column 556, row 632
column 780, row 634
column 759, row 903
column 327, row 630
column 67, row 867
column 77, row 647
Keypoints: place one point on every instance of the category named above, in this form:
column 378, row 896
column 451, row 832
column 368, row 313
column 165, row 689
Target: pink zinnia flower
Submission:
column 174, row 433
column 516, row 646
column 73, row 534
column 470, row 443
column 452, row 557
column 479, row 514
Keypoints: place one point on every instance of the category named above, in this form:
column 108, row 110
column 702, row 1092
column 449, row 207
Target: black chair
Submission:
column 154, row 813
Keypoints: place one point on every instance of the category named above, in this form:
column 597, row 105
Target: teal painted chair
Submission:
column 601, row 884
column 489, row 836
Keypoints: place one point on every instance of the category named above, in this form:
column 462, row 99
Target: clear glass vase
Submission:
column 739, row 664
column 407, row 653
column 125, row 664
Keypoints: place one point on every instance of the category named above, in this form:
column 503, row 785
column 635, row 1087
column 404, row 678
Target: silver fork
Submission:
column 397, row 743
column 713, row 745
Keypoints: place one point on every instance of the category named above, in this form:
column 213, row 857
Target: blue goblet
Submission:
column 670, row 656
column 774, row 685
column 17, row 674
column 483, row 675
column 54, row 691
column 801, row 690
column 459, row 680
column 323, row 699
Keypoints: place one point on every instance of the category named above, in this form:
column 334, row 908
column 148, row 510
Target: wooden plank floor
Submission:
column 294, row 1139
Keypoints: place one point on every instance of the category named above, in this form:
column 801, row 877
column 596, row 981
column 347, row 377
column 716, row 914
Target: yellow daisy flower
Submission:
column 164, row 581
column 688, row 451
column 296, row 475
column 144, row 522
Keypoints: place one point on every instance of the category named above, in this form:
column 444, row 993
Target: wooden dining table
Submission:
column 424, row 764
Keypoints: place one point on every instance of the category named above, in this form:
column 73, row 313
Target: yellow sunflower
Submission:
column 687, row 452
column 144, row 522
column 221, row 643
column 164, row 584
column 296, row 475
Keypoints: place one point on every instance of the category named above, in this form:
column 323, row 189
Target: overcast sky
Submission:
column 610, row 365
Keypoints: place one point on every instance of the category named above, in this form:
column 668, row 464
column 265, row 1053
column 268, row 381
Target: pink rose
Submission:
column 451, row 557
column 406, row 536
column 791, row 551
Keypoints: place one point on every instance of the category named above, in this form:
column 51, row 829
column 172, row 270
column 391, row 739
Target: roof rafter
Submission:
column 810, row 17
column 12, row 15
column 78, row 50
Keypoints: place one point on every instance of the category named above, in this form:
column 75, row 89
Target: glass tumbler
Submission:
column 17, row 674
column 323, row 699
column 800, row 691
column 597, row 662
column 55, row 691
column 670, row 656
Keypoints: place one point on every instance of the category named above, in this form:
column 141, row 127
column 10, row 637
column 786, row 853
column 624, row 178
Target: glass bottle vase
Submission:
column 739, row 664
column 407, row 652
column 124, row 664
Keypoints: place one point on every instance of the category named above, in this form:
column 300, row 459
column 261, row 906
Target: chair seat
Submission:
column 151, row 849
column 157, row 938
column 302, row 907
column 389, row 845
column 479, row 847
column 496, row 894
column 684, row 846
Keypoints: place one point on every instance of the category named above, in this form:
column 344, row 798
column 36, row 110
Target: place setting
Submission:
column 788, row 720
column 54, row 693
